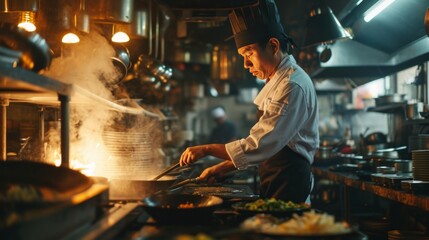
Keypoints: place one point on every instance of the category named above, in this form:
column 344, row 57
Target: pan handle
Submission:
column 177, row 185
column 184, row 182
column 167, row 171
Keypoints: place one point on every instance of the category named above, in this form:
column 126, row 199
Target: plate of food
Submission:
column 272, row 206
column 310, row 224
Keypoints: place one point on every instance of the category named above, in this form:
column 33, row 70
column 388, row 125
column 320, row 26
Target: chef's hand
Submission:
column 192, row 154
column 217, row 172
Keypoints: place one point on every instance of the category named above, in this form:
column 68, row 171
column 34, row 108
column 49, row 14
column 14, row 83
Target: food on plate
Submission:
column 186, row 205
column 309, row 223
column 272, row 204
column 198, row 236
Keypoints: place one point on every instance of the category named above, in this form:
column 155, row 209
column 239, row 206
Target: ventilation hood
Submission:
column 393, row 41
column 198, row 10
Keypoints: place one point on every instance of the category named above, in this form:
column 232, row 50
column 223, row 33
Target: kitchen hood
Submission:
column 355, row 60
column 393, row 41
column 200, row 10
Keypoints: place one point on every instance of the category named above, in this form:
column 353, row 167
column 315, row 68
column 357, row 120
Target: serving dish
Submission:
column 310, row 224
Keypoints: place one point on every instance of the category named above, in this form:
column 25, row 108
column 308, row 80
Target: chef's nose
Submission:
column 247, row 63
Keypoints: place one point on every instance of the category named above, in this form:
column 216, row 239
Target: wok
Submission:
column 28, row 189
column 131, row 188
column 60, row 182
column 164, row 208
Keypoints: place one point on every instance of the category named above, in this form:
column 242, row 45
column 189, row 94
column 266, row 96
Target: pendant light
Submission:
column 119, row 34
column 27, row 12
column 27, row 21
column 323, row 27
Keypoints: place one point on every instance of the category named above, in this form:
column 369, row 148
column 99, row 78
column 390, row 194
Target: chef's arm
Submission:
column 218, row 171
column 216, row 150
column 192, row 154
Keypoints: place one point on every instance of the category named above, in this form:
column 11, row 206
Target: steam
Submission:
column 89, row 65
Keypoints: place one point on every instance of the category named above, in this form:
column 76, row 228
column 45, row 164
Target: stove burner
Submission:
column 116, row 217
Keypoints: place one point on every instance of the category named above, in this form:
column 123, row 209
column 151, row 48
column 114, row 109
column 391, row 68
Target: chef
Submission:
column 285, row 139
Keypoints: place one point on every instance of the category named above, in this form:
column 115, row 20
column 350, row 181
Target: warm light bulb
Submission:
column 28, row 26
column 70, row 38
column 26, row 21
column 120, row 37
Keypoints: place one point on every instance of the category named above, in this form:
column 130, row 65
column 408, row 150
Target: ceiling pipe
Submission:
column 165, row 24
column 157, row 33
column 150, row 27
column 19, row 6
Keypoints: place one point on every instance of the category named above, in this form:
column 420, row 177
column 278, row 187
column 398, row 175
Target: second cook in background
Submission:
column 225, row 130
column 286, row 137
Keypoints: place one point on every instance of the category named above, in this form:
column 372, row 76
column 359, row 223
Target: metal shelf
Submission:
column 388, row 108
column 417, row 121
column 18, row 84
column 21, row 85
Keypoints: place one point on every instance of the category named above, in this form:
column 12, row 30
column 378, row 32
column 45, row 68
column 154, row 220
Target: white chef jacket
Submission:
column 290, row 117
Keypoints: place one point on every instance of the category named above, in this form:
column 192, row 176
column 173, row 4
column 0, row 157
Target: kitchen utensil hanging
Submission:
column 34, row 51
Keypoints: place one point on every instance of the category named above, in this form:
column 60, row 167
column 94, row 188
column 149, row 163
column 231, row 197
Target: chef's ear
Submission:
column 274, row 44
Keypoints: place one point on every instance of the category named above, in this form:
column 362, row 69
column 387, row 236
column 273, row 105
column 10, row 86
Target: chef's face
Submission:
column 258, row 59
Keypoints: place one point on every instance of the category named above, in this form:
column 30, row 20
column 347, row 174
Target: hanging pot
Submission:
column 121, row 61
column 32, row 50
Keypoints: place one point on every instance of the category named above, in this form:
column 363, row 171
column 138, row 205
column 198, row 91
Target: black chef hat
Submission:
column 256, row 24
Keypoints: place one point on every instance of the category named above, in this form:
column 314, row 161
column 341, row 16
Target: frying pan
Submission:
column 165, row 208
column 131, row 188
column 35, row 50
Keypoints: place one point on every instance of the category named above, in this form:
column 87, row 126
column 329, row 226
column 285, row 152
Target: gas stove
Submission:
column 114, row 218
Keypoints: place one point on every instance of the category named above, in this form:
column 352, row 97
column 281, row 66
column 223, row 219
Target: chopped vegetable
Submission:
column 273, row 204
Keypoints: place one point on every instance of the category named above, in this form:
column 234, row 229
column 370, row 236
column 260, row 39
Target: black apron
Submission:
column 285, row 176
